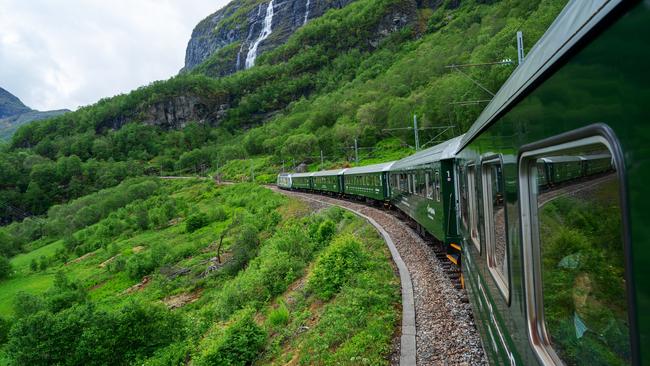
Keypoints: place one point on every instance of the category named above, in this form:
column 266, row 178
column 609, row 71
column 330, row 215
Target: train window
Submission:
column 495, row 222
column 427, row 181
column 473, row 206
column 574, row 254
column 422, row 184
column 436, row 185
column 464, row 209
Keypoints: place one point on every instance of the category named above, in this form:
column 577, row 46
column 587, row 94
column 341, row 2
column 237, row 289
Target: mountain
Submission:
column 10, row 105
column 13, row 114
column 235, row 35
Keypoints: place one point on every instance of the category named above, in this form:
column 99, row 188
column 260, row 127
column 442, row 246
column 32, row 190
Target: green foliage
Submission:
column 5, row 268
column 334, row 268
column 240, row 344
column 85, row 335
column 278, row 316
column 64, row 293
column 5, row 326
column 196, row 222
column 26, row 305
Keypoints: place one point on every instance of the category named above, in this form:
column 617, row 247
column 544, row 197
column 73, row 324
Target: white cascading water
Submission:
column 266, row 31
column 306, row 12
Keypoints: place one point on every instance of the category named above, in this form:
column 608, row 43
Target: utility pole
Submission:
column 321, row 160
column 356, row 150
column 282, row 165
column 415, row 132
column 520, row 47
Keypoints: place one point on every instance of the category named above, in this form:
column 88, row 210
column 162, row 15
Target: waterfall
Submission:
column 306, row 12
column 243, row 43
column 266, row 31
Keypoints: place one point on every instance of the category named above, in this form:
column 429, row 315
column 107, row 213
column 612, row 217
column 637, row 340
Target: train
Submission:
column 543, row 201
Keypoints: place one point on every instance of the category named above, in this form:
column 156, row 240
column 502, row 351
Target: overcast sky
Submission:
column 65, row 54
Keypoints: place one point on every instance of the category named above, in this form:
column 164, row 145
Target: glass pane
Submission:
column 473, row 213
column 464, row 209
column 582, row 257
column 498, row 253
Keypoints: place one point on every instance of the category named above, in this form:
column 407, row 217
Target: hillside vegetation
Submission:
column 233, row 275
column 333, row 80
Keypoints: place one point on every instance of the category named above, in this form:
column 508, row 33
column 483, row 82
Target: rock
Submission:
column 240, row 23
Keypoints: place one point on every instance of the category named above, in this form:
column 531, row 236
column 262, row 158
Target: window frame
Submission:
column 533, row 296
column 472, row 199
column 490, row 234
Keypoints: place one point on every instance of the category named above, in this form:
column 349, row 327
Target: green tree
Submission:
column 5, row 268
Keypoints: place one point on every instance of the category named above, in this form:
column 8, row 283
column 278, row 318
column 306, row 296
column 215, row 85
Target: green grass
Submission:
column 21, row 262
column 35, row 284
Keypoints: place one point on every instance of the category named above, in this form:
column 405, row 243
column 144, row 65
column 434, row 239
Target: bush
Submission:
column 344, row 257
column 196, row 222
column 278, row 316
column 139, row 265
column 218, row 214
column 84, row 335
column 27, row 304
column 5, row 327
column 5, row 268
column 240, row 344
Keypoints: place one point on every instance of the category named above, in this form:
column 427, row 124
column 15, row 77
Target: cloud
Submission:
column 65, row 54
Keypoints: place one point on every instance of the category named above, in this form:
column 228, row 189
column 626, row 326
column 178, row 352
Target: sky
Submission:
column 58, row 54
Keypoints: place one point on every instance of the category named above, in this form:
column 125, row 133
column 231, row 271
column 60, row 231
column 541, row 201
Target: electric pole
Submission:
column 356, row 151
column 415, row 131
column 520, row 47
column 321, row 160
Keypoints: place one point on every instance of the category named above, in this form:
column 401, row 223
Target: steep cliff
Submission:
column 244, row 29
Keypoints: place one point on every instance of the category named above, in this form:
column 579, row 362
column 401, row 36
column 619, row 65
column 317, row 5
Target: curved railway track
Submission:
column 445, row 333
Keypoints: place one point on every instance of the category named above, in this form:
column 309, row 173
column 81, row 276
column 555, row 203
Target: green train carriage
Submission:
column 301, row 181
column 328, row 181
column 370, row 181
column 559, row 276
column 423, row 186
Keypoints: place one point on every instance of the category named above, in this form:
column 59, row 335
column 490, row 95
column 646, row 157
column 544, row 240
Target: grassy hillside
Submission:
column 285, row 285
column 334, row 80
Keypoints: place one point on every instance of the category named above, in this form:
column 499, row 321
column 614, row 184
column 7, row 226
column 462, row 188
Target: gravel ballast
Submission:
column 445, row 329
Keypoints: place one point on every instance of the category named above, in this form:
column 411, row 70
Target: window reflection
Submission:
column 496, row 221
column 582, row 257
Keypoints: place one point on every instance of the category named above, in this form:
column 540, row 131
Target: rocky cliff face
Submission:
column 245, row 29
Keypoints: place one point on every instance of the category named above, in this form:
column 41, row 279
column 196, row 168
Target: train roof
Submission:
column 374, row 168
column 299, row 175
column 576, row 19
column 441, row 151
column 324, row 173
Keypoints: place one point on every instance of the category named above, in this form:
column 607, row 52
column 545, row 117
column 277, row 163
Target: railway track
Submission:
column 445, row 333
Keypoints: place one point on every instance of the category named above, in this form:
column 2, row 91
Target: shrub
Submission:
column 218, row 214
column 244, row 248
column 344, row 257
column 278, row 316
column 239, row 345
column 27, row 304
column 5, row 327
column 5, row 268
column 138, row 266
column 196, row 222
column 326, row 231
